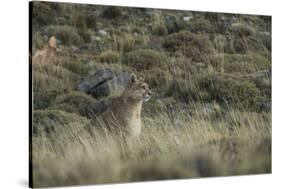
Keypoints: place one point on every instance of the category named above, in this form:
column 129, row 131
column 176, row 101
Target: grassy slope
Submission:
column 208, row 117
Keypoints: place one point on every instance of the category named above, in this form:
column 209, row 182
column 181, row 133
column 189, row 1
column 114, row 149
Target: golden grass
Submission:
column 184, row 147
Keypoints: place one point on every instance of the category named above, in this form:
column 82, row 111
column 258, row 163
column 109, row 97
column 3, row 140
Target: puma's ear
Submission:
column 133, row 78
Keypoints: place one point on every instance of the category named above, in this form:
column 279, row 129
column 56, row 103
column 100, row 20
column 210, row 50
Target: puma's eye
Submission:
column 144, row 87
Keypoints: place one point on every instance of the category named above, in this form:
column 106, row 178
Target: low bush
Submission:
column 49, row 81
column 126, row 42
column 243, row 38
column 194, row 46
column 75, row 102
column 159, row 29
column 55, row 122
column 67, row 34
column 200, row 25
column 38, row 42
column 157, row 79
column 242, row 30
column 144, row 59
column 175, row 24
column 112, row 12
column 248, row 63
column 74, row 64
column 228, row 91
column 109, row 56
column 232, row 92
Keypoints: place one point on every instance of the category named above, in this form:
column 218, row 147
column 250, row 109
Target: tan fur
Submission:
column 124, row 113
column 48, row 55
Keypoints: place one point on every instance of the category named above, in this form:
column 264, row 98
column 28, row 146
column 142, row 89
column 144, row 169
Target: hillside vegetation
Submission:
column 210, row 113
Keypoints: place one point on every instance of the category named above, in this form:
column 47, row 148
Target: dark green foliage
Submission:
column 67, row 34
column 232, row 91
column 85, row 35
column 248, row 63
column 112, row 12
column 174, row 24
column 55, row 122
column 125, row 42
column 38, row 42
column 226, row 90
column 242, row 30
column 197, row 47
column 200, row 25
column 243, row 39
column 49, row 81
column 109, row 57
column 75, row 65
column 75, row 102
column 159, row 29
column 158, row 79
column 144, row 59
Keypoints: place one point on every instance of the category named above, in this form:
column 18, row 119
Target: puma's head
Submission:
column 138, row 89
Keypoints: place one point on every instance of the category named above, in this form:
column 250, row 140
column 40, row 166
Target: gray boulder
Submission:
column 103, row 83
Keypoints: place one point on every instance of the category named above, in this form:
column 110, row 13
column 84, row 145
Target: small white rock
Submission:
column 187, row 18
column 102, row 32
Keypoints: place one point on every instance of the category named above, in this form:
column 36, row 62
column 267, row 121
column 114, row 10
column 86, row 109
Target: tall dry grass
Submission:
column 191, row 145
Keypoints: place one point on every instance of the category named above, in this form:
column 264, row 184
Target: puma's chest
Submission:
column 134, row 126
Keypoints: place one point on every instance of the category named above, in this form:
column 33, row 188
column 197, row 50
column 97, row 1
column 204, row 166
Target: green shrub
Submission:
column 49, row 81
column 157, row 79
column 242, row 30
column 266, row 39
column 67, row 34
column 38, row 42
column 85, row 35
column 187, row 91
column 41, row 13
column 80, row 22
column 243, row 38
column 91, row 21
column 228, row 91
column 112, row 12
column 144, row 59
column 126, row 42
column 175, row 24
column 55, row 122
column 248, row 63
column 74, row 64
column 75, row 102
column 200, row 25
column 159, row 29
column 197, row 47
column 231, row 91
column 109, row 57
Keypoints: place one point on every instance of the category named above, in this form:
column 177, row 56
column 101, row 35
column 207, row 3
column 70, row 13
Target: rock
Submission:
column 95, row 38
column 103, row 83
column 187, row 18
column 102, row 32
column 95, row 79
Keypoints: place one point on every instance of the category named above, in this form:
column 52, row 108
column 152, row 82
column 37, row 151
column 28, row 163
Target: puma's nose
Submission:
column 149, row 92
